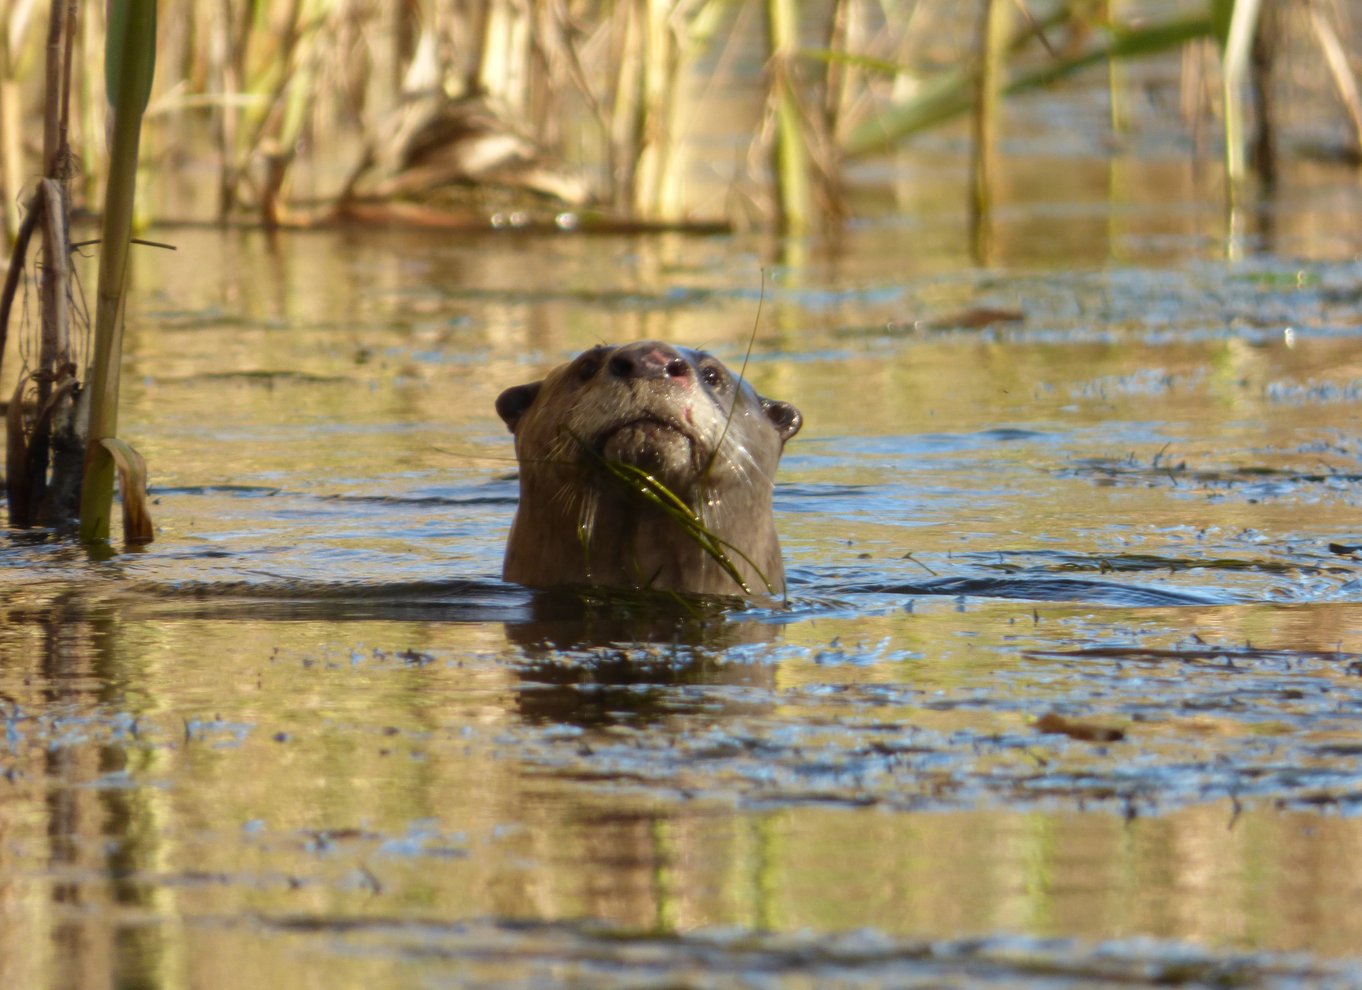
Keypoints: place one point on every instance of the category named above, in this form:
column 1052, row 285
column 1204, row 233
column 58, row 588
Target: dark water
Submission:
column 308, row 737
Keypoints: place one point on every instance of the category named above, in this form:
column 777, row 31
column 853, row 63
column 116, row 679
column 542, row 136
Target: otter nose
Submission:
column 648, row 359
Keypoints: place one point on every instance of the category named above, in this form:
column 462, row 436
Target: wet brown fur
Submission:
column 663, row 410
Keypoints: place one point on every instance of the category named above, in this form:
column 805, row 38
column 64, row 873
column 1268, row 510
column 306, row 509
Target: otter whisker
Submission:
column 742, row 377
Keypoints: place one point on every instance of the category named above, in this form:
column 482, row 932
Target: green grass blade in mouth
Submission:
column 652, row 490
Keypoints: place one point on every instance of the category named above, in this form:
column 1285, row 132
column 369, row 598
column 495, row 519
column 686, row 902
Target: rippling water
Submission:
column 309, row 730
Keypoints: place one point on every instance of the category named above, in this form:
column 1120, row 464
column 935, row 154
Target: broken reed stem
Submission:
column 28, row 452
column 54, row 354
column 56, row 346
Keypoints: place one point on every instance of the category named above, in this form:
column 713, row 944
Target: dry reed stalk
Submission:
column 16, row 447
column 1263, row 58
column 52, row 426
column 625, row 133
column 225, row 77
column 504, row 57
column 1116, row 110
column 89, row 96
column 837, row 74
column 571, row 71
column 52, row 87
column 275, row 76
column 281, row 129
column 1236, row 48
column 1340, row 72
column 15, row 17
column 991, row 47
column 55, row 460
column 657, row 179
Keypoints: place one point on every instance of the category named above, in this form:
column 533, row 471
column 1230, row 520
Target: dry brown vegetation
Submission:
column 298, row 110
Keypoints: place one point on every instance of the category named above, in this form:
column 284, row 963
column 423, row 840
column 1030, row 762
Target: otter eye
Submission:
column 587, row 368
column 712, row 375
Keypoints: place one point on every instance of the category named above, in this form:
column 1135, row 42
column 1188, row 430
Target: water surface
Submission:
column 309, row 731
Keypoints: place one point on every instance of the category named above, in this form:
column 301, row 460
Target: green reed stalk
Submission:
column 949, row 94
column 129, row 65
column 794, row 190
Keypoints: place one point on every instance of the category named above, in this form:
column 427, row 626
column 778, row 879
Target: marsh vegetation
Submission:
column 1045, row 348
column 291, row 112
column 504, row 112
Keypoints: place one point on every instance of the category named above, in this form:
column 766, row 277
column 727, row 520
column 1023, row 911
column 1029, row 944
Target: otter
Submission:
column 607, row 440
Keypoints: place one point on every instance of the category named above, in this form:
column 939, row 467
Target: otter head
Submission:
column 670, row 414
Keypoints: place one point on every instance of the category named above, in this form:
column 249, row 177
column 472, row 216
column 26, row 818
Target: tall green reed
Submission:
column 130, row 64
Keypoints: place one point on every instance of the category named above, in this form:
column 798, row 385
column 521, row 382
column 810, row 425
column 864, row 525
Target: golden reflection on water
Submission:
column 173, row 783
column 179, row 786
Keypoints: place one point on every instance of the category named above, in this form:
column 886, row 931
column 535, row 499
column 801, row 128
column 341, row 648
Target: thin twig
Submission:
column 742, row 377
column 76, row 245
column 16, row 266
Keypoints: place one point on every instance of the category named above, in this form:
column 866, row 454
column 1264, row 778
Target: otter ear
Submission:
column 786, row 417
column 512, row 403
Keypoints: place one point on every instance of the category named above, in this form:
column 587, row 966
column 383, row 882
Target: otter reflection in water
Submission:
column 607, row 437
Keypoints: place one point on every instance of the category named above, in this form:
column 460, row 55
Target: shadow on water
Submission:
column 1046, row 589
column 563, row 619
column 587, row 953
